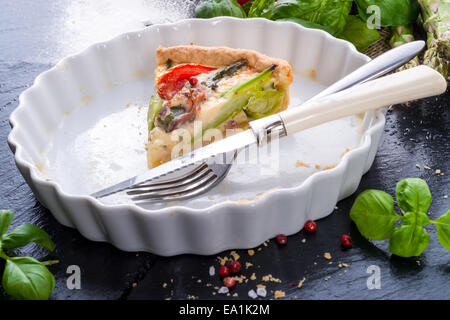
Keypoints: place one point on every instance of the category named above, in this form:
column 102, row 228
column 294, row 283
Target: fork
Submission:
column 207, row 176
column 193, row 183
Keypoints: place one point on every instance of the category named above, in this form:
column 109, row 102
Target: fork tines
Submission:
column 186, row 186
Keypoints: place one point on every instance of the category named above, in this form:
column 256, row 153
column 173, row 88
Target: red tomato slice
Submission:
column 242, row 2
column 174, row 79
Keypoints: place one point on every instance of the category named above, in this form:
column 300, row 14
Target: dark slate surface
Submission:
column 418, row 134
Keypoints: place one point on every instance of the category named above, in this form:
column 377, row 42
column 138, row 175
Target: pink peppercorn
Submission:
column 224, row 271
column 234, row 266
column 281, row 239
column 310, row 226
column 229, row 282
column 346, row 241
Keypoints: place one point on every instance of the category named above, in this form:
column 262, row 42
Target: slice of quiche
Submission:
column 221, row 87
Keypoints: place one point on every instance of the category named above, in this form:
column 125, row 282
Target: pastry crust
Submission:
column 222, row 56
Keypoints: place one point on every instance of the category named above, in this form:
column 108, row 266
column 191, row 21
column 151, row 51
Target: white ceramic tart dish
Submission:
column 82, row 126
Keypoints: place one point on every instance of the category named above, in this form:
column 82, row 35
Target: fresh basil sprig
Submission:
column 24, row 277
column 443, row 229
column 332, row 14
column 374, row 215
column 357, row 32
column 261, row 9
column 392, row 12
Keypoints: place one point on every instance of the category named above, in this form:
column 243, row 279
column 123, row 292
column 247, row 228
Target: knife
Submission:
column 412, row 84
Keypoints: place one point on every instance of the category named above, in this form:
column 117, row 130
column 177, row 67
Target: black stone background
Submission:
column 418, row 134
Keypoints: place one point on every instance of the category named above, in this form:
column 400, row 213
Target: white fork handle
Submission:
column 416, row 83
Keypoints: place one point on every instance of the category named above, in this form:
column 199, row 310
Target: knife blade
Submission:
column 234, row 143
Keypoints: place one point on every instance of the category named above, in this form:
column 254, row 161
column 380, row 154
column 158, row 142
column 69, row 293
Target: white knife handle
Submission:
column 416, row 83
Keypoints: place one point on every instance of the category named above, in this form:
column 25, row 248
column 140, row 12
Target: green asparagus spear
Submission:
column 237, row 98
column 264, row 103
column 402, row 35
column 225, row 72
column 436, row 21
column 155, row 106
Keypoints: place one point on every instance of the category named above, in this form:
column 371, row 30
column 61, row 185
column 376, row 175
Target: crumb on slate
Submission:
column 279, row 294
column 235, row 255
column 240, row 278
column 300, row 284
column 269, row 277
column 223, row 260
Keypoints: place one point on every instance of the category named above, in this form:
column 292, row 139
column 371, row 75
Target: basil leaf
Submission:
column 357, row 32
column 26, row 278
column 2, row 254
column 408, row 241
column 374, row 215
column 24, row 234
column 261, row 8
column 413, row 195
column 392, row 12
column 288, row 9
column 329, row 13
column 218, row 8
column 310, row 25
column 415, row 218
column 443, row 229
column 247, row 6
column 6, row 217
